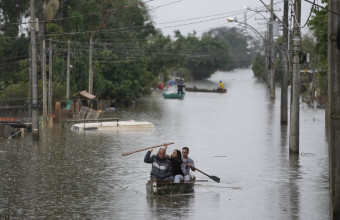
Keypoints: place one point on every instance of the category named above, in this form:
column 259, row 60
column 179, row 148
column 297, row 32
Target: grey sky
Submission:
column 202, row 15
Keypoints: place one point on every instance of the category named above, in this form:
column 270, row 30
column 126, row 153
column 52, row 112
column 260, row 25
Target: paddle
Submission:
column 147, row 148
column 215, row 178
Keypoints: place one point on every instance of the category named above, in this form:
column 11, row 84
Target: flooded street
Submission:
column 236, row 136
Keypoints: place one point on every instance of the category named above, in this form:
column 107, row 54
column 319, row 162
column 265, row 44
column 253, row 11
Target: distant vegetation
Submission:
column 259, row 66
column 129, row 55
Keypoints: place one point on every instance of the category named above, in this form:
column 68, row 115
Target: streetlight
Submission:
column 229, row 19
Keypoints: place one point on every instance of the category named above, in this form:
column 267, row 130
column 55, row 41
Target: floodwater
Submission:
column 235, row 136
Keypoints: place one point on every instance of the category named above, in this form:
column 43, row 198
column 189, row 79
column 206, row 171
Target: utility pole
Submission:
column 333, row 115
column 68, row 72
column 284, row 82
column 90, row 64
column 43, row 68
column 50, row 77
column 266, row 48
column 271, row 53
column 35, row 110
column 295, row 103
column 30, row 84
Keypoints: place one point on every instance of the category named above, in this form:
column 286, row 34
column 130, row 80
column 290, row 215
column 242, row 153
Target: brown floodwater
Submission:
column 236, row 136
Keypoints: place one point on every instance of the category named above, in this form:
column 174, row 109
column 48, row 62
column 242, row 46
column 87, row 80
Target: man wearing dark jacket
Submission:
column 161, row 166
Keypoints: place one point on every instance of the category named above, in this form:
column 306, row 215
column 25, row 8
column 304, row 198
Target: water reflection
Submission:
column 294, row 191
column 167, row 207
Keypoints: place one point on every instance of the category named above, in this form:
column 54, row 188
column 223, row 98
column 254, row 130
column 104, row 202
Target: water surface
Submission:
column 236, row 136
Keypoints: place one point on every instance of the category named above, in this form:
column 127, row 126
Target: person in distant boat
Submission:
column 221, row 85
column 187, row 164
column 180, row 86
column 161, row 166
column 176, row 165
column 171, row 82
column 160, row 86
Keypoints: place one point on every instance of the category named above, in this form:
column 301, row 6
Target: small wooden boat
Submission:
column 193, row 89
column 173, row 95
column 113, row 125
column 162, row 187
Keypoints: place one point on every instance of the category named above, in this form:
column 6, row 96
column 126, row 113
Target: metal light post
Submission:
column 234, row 20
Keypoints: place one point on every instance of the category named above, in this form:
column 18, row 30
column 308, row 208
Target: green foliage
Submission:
column 259, row 66
column 278, row 59
column 241, row 52
column 54, row 31
column 159, row 53
column 122, row 80
column 129, row 54
column 322, row 82
column 318, row 24
column 13, row 57
column 12, row 12
column 17, row 90
column 202, row 57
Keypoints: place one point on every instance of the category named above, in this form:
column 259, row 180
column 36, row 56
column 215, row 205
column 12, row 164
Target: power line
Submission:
column 333, row 12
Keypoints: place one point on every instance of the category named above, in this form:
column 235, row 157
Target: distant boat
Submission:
column 173, row 95
column 162, row 187
column 193, row 89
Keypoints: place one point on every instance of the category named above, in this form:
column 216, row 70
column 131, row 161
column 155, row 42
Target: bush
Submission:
column 259, row 66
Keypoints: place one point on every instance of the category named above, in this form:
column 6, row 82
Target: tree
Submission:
column 11, row 13
column 318, row 24
column 202, row 57
column 259, row 66
column 241, row 52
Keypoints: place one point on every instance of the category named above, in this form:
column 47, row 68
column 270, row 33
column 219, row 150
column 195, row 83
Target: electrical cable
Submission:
column 293, row 13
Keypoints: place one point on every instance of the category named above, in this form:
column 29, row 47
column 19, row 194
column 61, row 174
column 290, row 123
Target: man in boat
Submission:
column 187, row 164
column 221, row 85
column 180, row 86
column 161, row 166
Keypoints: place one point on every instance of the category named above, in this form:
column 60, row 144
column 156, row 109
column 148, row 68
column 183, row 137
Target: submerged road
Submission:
column 236, row 136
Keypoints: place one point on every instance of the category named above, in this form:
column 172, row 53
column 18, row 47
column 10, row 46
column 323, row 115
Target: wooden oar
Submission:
column 215, row 178
column 147, row 148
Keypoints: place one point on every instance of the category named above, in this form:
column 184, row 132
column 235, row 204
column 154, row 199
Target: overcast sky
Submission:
column 202, row 15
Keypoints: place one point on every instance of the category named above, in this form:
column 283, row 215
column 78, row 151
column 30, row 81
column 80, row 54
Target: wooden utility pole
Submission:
column 334, row 106
column 295, row 104
column 34, row 101
column 284, row 82
column 90, row 65
column 271, row 53
column 50, row 78
column 68, row 72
